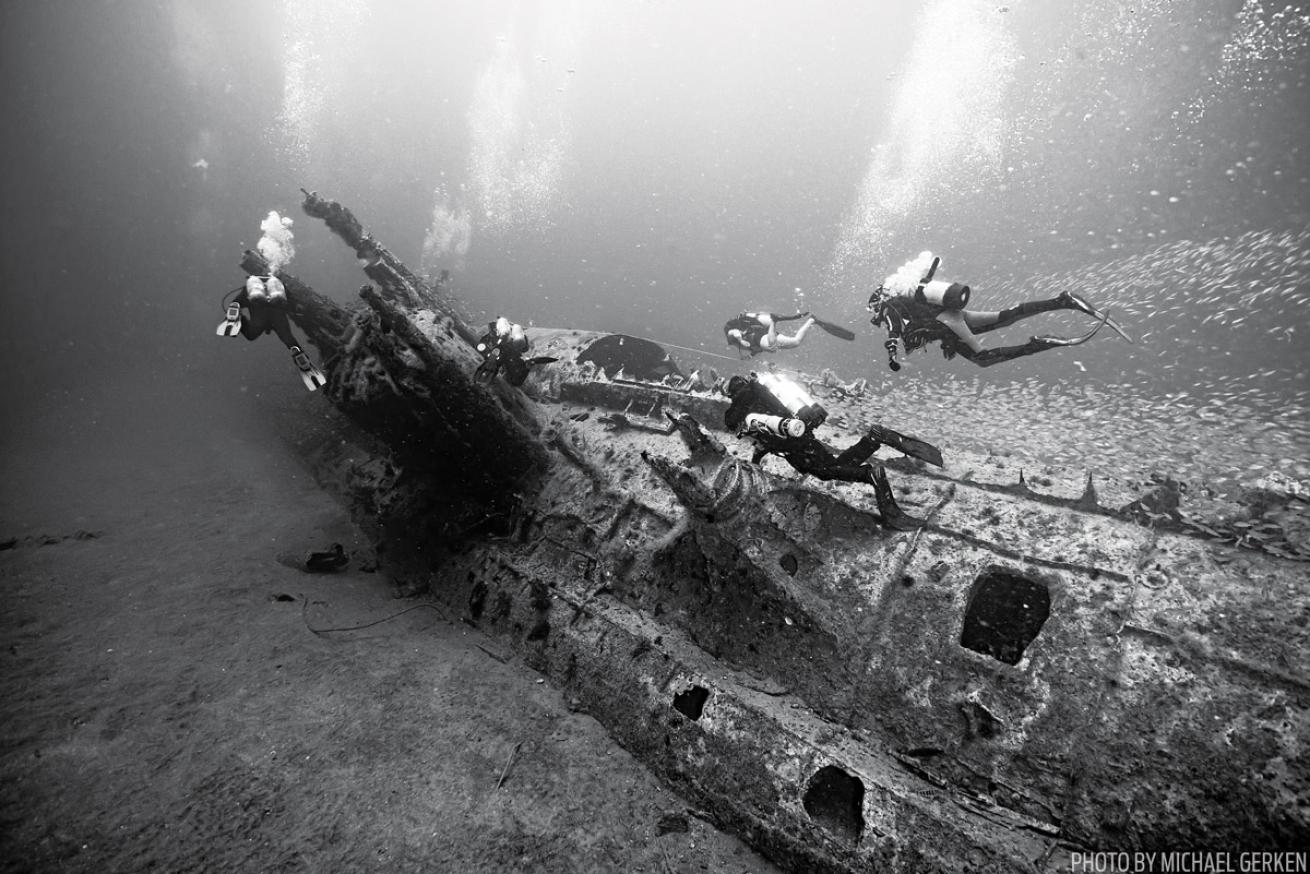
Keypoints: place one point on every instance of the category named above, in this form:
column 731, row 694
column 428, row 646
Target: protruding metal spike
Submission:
column 1088, row 499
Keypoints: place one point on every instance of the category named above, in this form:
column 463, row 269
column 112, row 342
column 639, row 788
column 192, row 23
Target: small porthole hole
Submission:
column 691, row 702
column 835, row 800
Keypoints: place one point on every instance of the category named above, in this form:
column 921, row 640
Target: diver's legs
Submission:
column 309, row 374
column 988, row 357
column 769, row 342
column 277, row 321
column 859, row 451
column 262, row 318
column 872, row 473
column 980, row 321
column 516, row 370
column 255, row 323
column 784, row 341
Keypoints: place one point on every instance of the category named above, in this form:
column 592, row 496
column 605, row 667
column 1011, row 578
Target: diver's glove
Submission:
column 890, row 346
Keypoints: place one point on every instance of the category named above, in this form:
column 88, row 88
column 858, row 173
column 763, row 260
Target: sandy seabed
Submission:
column 168, row 708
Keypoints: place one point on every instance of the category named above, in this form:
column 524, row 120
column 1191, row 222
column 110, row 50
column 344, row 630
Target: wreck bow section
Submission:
column 1024, row 676
column 445, row 455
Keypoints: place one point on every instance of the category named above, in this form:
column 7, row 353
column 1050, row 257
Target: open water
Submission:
column 657, row 167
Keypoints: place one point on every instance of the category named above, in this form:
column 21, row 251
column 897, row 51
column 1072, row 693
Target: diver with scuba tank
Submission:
column 264, row 301
column 754, row 333
column 916, row 309
column 780, row 418
column 502, row 349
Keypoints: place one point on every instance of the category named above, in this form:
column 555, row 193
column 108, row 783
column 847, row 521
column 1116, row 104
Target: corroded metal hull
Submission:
column 1025, row 676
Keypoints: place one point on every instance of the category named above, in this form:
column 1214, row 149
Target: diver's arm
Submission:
column 737, row 340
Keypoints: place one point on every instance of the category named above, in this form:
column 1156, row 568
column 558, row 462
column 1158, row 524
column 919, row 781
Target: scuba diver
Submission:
column 758, row 332
column 780, row 417
column 502, row 348
column 265, row 299
column 918, row 310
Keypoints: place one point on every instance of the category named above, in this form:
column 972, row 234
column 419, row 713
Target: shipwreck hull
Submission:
column 1026, row 676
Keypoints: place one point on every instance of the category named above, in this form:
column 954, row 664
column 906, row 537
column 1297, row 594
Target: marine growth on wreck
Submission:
column 1052, row 660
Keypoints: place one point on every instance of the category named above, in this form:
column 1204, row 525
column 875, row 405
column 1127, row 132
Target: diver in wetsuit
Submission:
column 917, row 310
column 780, row 418
column 502, row 348
column 758, row 332
column 264, row 300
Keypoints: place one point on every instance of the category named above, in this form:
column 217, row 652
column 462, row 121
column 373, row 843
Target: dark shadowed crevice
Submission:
column 691, row 702
column 835, row 800
column 1005, row 615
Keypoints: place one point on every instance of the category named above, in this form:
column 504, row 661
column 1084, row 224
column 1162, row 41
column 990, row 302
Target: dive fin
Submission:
column 309, row 374
column 312, row 379
column 898, row 520
column 835, row 330
column 892, row 515
column 911, row 446
column 542, row 359
column 1079, row 303
column 1114, row 326
column 1049, row 342
column 231, row 325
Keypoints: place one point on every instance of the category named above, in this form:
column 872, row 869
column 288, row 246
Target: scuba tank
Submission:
column 277, row 292
column 947, row 295
column 255, row 290
column 938, row 292
column 795, row 400
column 516, row 340
column 778, row 426
column 497, row 331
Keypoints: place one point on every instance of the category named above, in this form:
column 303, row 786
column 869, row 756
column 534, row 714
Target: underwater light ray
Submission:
column 519, row 126
column 946, row 123
column 316, row 39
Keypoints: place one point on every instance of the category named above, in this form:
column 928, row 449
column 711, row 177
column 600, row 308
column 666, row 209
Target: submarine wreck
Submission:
column 1019, row 677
